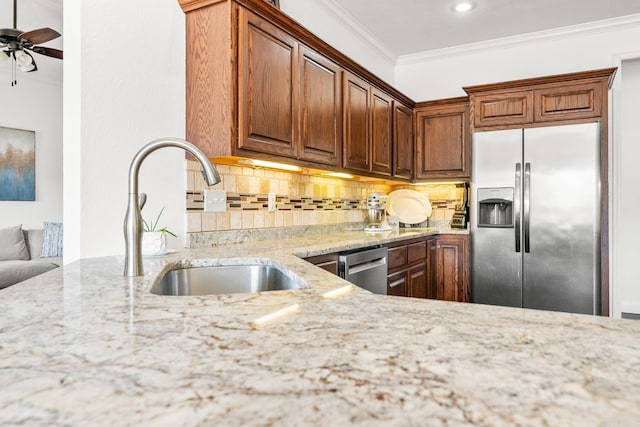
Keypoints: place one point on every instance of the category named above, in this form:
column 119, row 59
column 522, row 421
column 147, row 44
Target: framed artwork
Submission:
column 274, row 3
column 17, row 165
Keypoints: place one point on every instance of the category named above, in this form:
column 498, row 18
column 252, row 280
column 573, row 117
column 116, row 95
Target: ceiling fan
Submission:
column 16, row 44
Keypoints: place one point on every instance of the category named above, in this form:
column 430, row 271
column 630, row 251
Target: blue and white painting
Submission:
column 17, row 165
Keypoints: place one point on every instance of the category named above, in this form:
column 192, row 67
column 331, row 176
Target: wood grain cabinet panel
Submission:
column 397, row 257
column 443, row 144
column 327, row 262
column 503, row 108
column 568, row 102
column 402, row 141
column 267, row 87
column 397, row 284
column 321, row 134
column 356, row 110
column 432, row 268
column 453, row 268
column 417, row 281
column 381, row 118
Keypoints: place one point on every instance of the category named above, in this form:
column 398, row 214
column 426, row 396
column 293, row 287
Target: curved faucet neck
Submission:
column 133, row 227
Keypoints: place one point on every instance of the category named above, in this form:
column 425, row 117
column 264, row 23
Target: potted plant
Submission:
column 154, row 239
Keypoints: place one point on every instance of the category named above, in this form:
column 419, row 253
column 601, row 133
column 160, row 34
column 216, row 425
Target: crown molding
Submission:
column 606, row 25
column 360, row 30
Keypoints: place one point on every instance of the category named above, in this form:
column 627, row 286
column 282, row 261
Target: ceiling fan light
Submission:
column 23, row 58
column 26, row 68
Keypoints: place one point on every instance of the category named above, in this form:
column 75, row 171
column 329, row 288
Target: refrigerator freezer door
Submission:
column 496, row 266
column 561, row 271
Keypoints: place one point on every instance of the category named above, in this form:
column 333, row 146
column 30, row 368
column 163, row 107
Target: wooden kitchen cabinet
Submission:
column 327, row 262
column 357, row 130
column 448, row 268
column 381, row 137
column 541, row 101
column 407, row 269
column 321, row 108
column 368, row 116
column 454, row 256
column 403, row 141
column 443, row 140
column 260, row 85
column 268, row 92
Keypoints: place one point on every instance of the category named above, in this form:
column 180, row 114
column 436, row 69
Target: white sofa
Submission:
column 14, row 271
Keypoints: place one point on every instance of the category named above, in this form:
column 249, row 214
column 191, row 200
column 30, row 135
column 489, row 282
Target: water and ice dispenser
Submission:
column 495, row 207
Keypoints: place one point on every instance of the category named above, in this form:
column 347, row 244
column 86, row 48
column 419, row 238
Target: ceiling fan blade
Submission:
column 39, row 36
column 48, row 51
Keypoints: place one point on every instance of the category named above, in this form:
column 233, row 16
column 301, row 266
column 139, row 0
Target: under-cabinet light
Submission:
column 275, row 315
column 338, row 175
column 267, row 164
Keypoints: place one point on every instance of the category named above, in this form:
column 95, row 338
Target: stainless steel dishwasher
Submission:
column 366, row 268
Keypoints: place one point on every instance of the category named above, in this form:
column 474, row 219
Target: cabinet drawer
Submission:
column 417, row 252
column 568, row 102
column 397, row 257
column 503, row 108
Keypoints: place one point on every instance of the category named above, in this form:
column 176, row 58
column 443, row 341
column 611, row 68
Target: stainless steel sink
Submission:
column 227, row 279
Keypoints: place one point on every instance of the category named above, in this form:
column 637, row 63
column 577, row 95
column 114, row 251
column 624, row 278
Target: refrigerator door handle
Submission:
column 525, row 202
column 516, row 204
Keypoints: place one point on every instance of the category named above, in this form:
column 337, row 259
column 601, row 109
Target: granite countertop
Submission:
column 81, row 345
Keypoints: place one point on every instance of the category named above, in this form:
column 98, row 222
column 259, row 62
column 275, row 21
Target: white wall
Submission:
column 442, row 74
column 335, row 26
column 36, row 105
column 126, row 82
column 626, row 233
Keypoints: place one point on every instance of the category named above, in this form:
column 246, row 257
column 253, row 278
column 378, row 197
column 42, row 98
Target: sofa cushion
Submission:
column 51, row 240
column 12, row 244
column 33, row 239
column 14, row 271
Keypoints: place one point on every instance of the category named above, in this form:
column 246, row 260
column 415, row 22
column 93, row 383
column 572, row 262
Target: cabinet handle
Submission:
column 516, row 202
column 396, row 283
column 525, row 202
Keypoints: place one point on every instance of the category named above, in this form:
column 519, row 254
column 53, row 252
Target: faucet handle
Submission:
column 142, row 199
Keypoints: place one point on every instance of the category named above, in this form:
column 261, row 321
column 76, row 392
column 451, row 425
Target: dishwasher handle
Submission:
column 367, row 265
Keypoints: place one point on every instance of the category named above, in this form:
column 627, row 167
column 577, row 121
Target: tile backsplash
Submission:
column 300, row 199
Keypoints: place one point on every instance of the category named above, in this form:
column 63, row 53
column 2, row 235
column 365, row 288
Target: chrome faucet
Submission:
column 133, row 226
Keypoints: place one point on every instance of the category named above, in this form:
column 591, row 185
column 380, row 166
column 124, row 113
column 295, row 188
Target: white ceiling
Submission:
column 411, row 26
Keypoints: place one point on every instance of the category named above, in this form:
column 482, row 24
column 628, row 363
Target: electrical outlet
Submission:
column 215, row 201
column 271, row 203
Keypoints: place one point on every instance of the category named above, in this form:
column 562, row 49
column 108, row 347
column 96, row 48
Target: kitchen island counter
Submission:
column 81, row 345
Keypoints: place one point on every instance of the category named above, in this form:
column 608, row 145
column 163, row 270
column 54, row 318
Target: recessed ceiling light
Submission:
column 463, row 6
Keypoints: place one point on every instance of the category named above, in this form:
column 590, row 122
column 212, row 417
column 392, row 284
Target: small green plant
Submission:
column 153, row 226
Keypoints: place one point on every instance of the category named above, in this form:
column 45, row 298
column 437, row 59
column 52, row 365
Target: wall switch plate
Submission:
column 271, row 202
column 215, row 201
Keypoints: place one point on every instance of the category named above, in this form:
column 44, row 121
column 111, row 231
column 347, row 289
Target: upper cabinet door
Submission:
column 381, row 118
column 321, row 108
column 402, row 141
column 357, row 130
column 443, row 143
column 268, row 83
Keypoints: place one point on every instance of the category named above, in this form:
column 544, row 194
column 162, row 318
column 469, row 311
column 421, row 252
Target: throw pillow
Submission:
column 51, row 240
column 12, row 244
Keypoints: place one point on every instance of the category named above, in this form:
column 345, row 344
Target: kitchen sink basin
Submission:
column 226, row 279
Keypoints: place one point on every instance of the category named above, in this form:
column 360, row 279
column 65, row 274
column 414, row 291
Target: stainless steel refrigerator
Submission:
column 535, row 218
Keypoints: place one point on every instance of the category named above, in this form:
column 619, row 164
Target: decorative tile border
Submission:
column 258, row 202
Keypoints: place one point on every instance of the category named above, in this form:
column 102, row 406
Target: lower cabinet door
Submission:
column 453, row 256
column 397, row 284
column 417, row 286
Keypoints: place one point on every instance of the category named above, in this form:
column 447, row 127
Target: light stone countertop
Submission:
column 81, row 345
